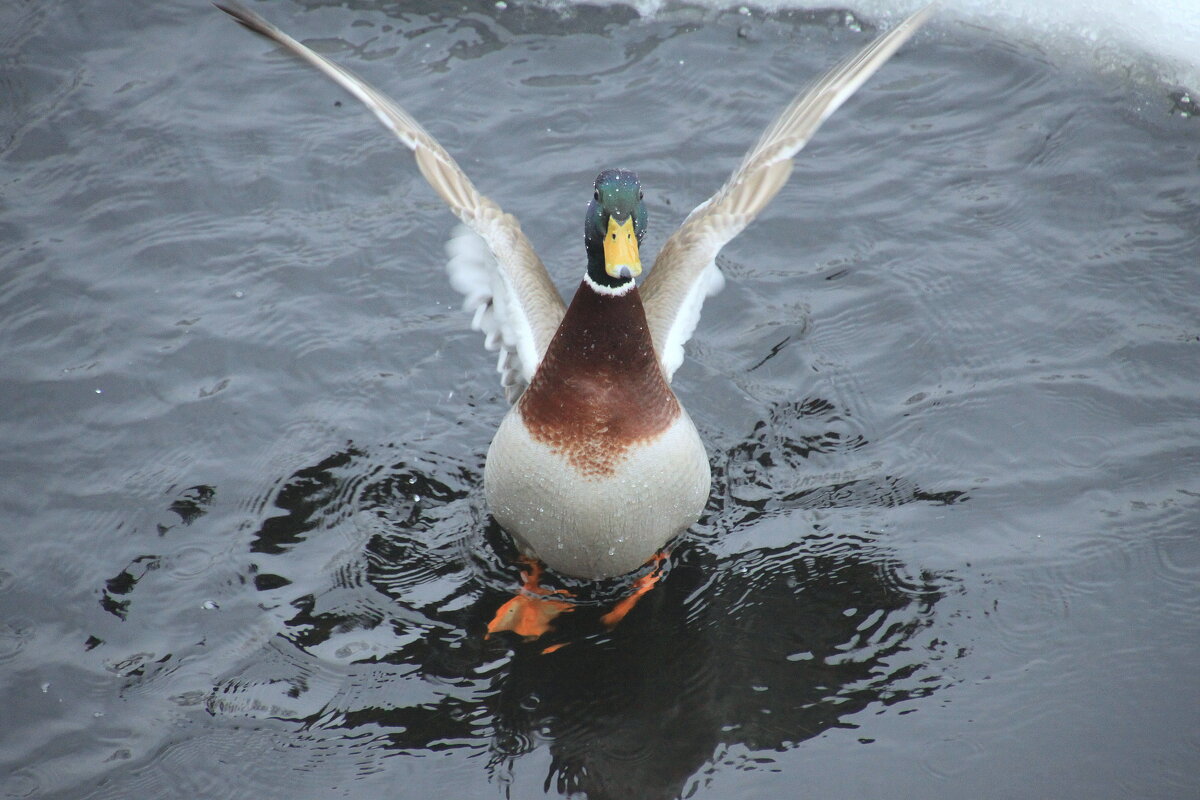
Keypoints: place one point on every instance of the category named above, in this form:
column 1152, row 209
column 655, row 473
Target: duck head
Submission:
column 613, row 229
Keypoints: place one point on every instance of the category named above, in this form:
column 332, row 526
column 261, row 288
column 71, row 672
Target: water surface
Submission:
column 951, row 398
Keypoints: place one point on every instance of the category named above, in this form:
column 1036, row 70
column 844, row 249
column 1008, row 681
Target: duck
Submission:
column 596, row 467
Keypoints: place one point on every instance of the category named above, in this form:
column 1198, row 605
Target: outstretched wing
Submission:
column 685, row 271
column 504, row 283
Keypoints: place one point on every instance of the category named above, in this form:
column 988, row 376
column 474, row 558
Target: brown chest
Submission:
column 599, row 390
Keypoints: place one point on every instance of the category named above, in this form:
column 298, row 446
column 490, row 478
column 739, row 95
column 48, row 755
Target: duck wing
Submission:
column 504, row 283
column 685, row 271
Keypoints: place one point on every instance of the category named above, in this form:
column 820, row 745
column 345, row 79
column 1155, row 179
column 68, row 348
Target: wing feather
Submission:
column 503, row 282
column 685, row 271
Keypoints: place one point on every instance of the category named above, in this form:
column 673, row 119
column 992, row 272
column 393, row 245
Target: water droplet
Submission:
column 209, row 605
column 239, row 294
column 45, row 687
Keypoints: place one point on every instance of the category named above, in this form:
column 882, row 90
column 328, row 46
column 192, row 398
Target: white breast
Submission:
column 596, row 526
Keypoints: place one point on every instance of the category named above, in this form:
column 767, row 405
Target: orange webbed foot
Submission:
column 531, row 611
column 640, row 587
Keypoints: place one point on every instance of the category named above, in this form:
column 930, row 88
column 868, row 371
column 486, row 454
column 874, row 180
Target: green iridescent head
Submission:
column 613, row 228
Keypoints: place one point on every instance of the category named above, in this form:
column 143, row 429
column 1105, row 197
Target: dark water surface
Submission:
column 951, row 396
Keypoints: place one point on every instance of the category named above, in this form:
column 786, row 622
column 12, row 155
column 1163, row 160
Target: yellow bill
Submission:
column 621, row 249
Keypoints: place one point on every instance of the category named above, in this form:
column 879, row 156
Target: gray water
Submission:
column 951, row 396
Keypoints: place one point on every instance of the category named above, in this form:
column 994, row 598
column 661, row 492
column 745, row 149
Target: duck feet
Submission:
column 640, row 587
column 531, row 611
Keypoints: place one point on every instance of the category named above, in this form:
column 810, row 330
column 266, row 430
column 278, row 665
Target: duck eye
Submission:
column 596, row 194
column 640, row 195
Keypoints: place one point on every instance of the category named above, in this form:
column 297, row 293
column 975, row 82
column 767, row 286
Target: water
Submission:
column 950, row 396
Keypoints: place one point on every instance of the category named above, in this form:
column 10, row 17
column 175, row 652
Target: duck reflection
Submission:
column 732, row 656
column 765, row 650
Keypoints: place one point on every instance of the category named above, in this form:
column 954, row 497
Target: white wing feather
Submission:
column 473, row 273
column 685, row 271
column 502, row 280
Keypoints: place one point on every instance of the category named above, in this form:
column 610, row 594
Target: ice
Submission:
column 1156, row 39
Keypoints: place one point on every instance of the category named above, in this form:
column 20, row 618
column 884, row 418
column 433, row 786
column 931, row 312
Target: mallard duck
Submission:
column 596, row 467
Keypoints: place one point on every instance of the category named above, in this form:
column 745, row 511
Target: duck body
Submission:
column 597, row 466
